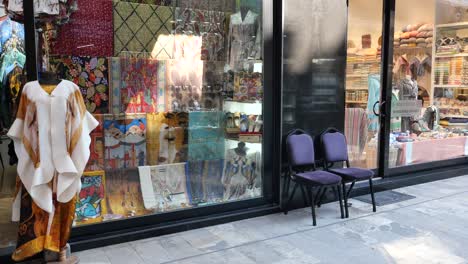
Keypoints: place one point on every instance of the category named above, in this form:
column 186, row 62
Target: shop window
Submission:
column 429, row 106
column 177, row 88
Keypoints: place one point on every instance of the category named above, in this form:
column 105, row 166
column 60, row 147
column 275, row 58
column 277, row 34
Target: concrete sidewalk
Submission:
column 431, row 228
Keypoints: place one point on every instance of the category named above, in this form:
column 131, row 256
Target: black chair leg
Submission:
column 337, row 190
column 345, row 200
column 318, row 198
column 285, row 192
column 304, row 195
column 371, row 187
column 289, row 199
column 312, row 206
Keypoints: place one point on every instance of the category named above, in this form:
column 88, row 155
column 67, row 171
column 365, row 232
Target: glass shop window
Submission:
column 177, row 87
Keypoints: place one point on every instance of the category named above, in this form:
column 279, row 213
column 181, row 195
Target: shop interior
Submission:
column 429, row 107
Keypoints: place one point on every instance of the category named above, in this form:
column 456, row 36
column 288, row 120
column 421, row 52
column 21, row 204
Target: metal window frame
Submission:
column 106, row 233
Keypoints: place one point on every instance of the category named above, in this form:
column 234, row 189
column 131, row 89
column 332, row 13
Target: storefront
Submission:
column 193, row 97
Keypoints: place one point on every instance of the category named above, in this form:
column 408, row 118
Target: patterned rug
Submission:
column 137, row 27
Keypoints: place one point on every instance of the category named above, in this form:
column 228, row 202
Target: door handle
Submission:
column 380, row 108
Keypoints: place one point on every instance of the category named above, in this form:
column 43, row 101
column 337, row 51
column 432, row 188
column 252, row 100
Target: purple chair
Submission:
column 335, row 149
column 302, row 171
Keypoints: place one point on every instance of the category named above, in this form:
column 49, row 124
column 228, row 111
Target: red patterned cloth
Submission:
column 89, row 32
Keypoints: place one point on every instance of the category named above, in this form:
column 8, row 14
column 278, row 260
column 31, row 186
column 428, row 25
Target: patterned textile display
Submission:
column 245, row 39
column 210, row 25
column 137, row 27
column 213, row 82
column 248, row 86
column 204, row 181
column 167, row 138
column 152, row 2
column 215, row 5
column 163, row 187
column 115, row 75
column 123, row 194
column 206, row 136
column 139, row 85
column 57, row 11
column 46, row 123
column 184, row 82
column 96, row 158
column 241, row 172
column 90, row 74
column 125, row 141
column 10, row 96
column 89, row 33
column 90, row 203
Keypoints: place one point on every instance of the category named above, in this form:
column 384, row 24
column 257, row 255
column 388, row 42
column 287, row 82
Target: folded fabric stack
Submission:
column 448, row 46
column 417, row 35
column 451, row 107
column 450, row 71
column 465, row 72
column 441, row 71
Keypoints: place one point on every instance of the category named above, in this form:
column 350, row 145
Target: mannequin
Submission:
column 52, row 156
column 48, row 81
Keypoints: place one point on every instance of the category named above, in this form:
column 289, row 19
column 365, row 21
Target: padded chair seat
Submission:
column 353, row 174
column 319, row 177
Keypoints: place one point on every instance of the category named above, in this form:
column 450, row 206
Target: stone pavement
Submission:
column 431, row 228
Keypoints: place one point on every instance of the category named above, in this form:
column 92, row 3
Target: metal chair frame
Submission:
column 307, row 188
column 346, row 194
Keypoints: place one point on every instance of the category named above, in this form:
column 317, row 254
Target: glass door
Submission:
column 363, row 82
column 429, row 107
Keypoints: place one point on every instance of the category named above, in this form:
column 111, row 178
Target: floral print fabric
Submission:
column 90, row 74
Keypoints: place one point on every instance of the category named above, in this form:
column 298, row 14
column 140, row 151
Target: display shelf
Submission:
column 356, row 102
column 452, row 116
column 357, row 89
column 250, row 107
column 357, row 75
column 363, row 62
column 406, row 49
column 453, row 26
column 438, row 56
column 230, row 138
column 451, row 86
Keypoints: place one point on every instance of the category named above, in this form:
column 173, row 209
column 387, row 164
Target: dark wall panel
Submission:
column 314, row 65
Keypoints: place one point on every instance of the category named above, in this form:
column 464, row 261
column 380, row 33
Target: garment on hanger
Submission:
column 408, row 90
column 244, row 39
column 48, row 7
column 49, row 175
column 400, row 63
column 240, row 172
column 9, row 96
column 9, row 30
column 374, row 96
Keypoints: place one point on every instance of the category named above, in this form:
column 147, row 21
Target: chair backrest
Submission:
column 334, row 145
column 300, row 149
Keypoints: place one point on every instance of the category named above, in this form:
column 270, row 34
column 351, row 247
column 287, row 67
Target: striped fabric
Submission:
column 355, row 132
